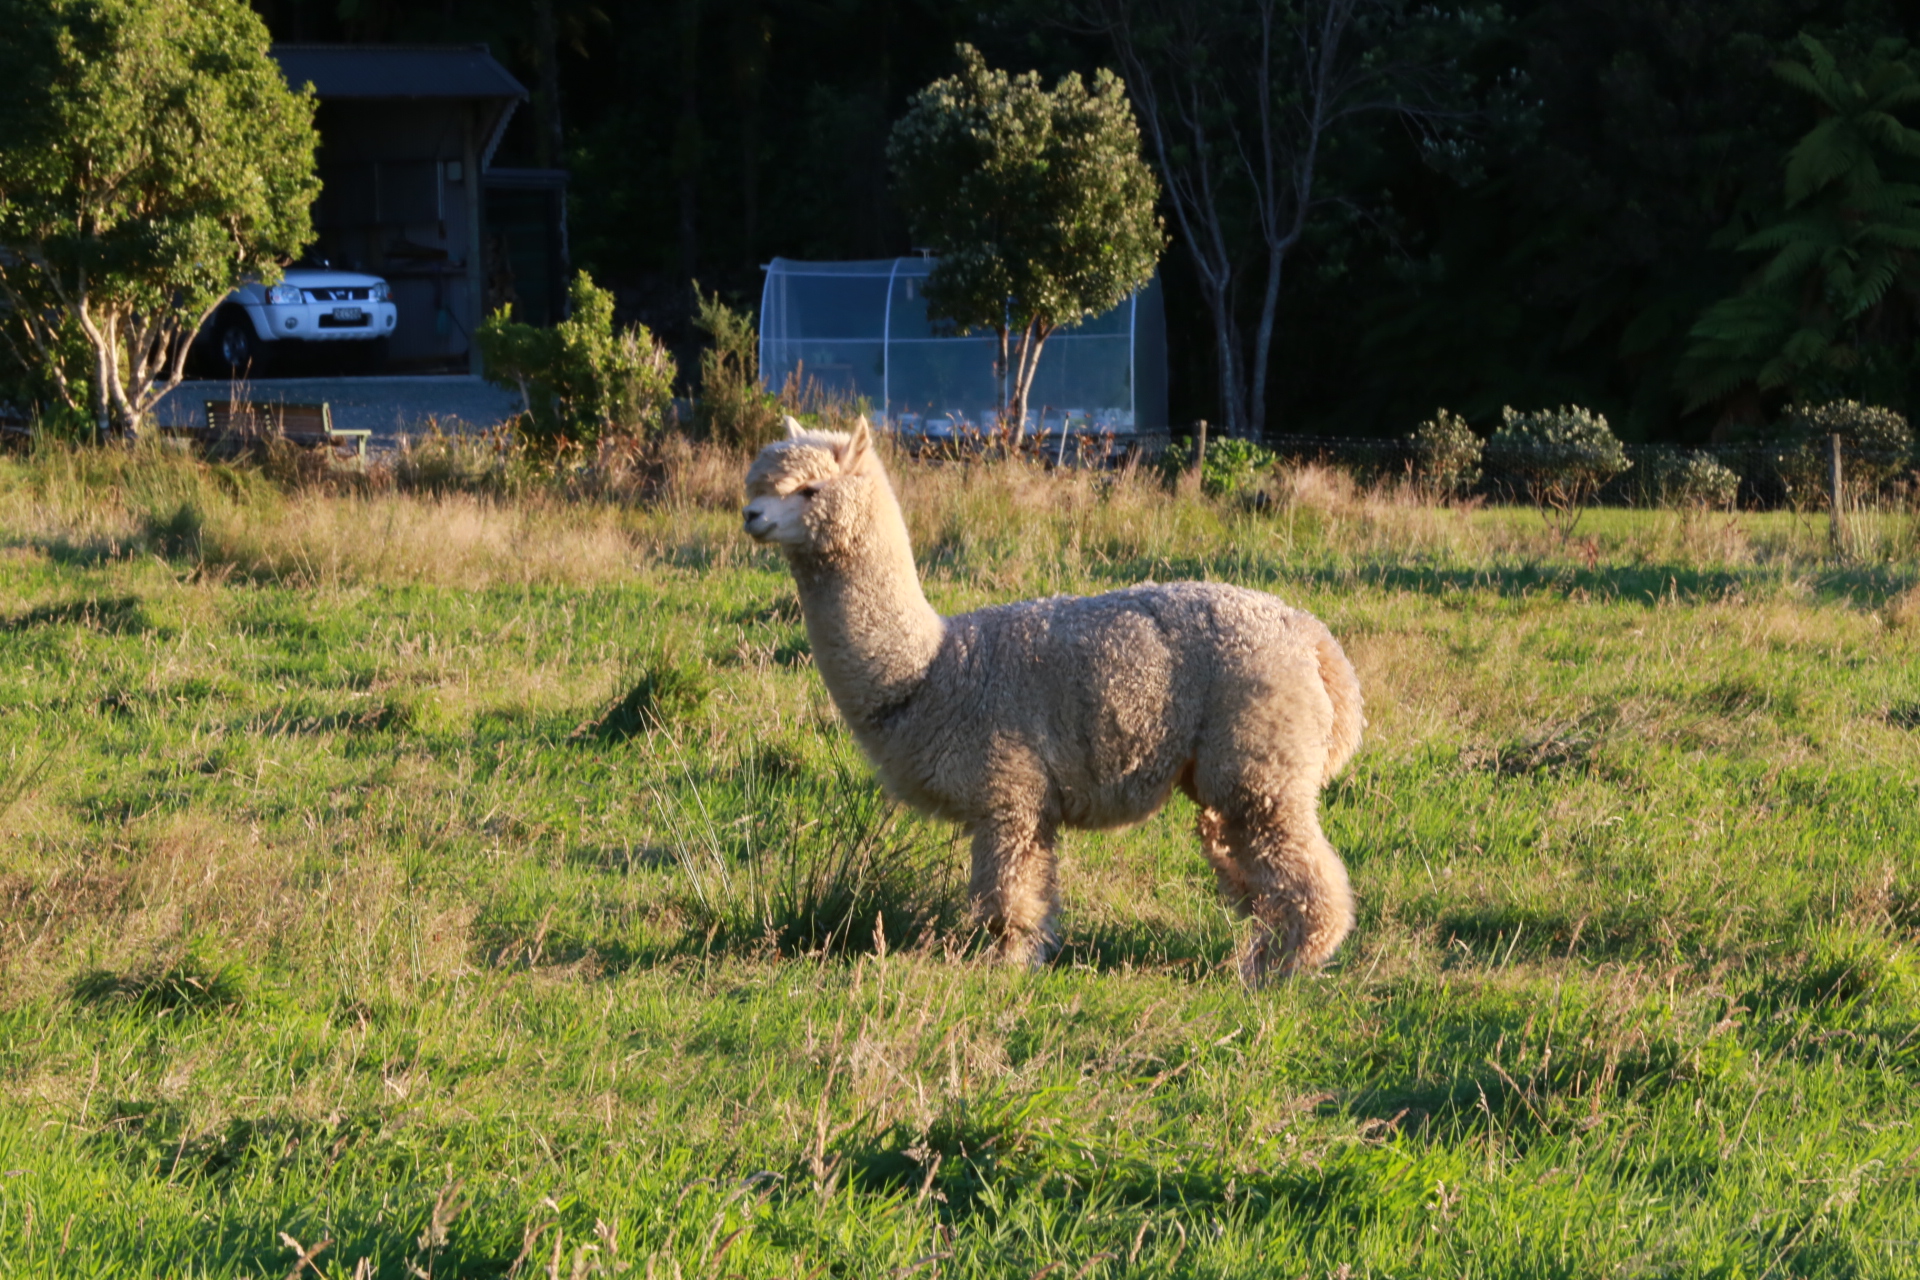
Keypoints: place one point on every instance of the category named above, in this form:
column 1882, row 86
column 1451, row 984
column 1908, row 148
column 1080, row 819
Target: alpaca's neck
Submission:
column 872, row 631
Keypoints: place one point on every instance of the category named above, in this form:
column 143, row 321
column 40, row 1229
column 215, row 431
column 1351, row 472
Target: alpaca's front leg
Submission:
column 1014, row 893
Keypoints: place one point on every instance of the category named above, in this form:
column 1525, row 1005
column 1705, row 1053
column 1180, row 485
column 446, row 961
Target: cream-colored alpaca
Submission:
column 1021, row 719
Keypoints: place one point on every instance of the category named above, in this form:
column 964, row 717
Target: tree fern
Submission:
column 1843, row 251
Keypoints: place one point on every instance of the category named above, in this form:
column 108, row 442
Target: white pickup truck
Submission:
column 311, row 306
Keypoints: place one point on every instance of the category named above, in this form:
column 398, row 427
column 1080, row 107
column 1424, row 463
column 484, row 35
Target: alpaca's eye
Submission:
column 808, row 490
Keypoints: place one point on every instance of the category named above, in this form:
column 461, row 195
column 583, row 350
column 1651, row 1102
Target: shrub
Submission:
column 1563, row 455
column 1232, row 467
column 1447, row 454
column 583, row 378
column 1878, row 447
column 1694, row 481
column 733, row 409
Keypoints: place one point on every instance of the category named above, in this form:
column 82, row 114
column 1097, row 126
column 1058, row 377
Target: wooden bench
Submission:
column 308, row 425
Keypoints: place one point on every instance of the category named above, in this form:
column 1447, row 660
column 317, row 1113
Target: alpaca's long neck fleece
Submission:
column 872, row 631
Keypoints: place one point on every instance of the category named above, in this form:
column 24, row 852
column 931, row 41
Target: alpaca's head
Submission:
column 817, row 491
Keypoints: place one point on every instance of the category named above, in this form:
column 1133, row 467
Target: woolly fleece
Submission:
column 1020, row 720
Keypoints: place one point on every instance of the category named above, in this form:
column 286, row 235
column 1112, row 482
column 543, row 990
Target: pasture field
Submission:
column 442, row 885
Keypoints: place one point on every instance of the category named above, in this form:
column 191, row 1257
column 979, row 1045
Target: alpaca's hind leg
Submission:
column 1295, row 885
column 1013, row 891
column 1235, row 889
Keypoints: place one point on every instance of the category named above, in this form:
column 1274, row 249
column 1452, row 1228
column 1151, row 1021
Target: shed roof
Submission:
column 374, row 71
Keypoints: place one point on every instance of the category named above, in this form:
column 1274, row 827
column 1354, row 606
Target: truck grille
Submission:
column 361, row 294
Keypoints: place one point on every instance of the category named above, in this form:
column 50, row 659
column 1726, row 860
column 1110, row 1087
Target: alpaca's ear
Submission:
column 794, row 429
column 858, row 445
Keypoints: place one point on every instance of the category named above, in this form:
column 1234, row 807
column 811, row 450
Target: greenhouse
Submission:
column 860, row 329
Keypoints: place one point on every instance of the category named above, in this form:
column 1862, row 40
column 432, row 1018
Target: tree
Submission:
column 1038, row 204
column 151, row 157
column 1835, row 304
column 1242, row 100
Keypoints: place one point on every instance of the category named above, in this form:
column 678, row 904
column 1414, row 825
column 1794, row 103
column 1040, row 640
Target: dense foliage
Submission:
column 1562, row 456
column 585, row 377
column 1834, row 303
column 1446, row 453
column 1558, row 247
column 1036, row 200
column 151, row 156
column 1877, row 441
column 733, row 408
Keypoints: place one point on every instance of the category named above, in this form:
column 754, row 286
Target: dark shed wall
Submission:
column 395, row 200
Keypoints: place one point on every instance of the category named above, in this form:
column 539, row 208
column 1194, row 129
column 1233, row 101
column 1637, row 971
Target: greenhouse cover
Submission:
column 860, row 329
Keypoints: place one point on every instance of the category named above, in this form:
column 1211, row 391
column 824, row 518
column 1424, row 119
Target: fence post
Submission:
column 1835, row 491
column 1200, row 447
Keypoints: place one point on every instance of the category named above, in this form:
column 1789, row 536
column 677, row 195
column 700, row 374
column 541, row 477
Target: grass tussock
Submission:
column 463, row 867
column 811, row 864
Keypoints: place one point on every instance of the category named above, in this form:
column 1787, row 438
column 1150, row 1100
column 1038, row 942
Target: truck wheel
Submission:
column 241, row 350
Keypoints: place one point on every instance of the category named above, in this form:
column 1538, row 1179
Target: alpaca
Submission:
column 1019, row 720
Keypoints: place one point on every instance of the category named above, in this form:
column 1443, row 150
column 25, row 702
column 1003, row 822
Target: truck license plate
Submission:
column 347, row 313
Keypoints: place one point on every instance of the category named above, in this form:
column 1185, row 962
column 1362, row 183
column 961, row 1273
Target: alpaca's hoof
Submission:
column 1028, row 950
column 1273, row 955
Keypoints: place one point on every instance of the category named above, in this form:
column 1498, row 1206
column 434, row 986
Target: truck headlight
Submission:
column 285, row 295
column 381, row 291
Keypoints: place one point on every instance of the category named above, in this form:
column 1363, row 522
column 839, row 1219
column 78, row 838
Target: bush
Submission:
column 1563, row 455
column 1447, row 454
column 583, row 378
column 1877, row 448
column 733, row 409
column 1694, row 481
column 1231, row 468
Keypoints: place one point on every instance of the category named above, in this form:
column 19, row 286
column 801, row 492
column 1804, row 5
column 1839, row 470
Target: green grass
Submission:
column 488, row 888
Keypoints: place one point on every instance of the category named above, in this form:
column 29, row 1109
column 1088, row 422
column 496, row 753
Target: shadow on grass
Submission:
column 1502, row 933
column 420, row 1222
column 184, row 984
column 387, row 716
column 975, row 1152
column 1190, row 950
column 1644, row 584
column 118, row 615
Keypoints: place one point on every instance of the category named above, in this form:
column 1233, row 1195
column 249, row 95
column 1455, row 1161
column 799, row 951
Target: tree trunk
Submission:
column 1031, row 341
column 1000, row 366
column 1263, row 346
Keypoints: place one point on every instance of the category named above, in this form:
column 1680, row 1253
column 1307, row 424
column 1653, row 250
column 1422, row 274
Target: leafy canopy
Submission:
column 151, row 157
column 1842, row 256
column 1037, row 202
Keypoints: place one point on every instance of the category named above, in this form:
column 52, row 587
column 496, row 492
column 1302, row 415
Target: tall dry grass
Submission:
column 468, row 511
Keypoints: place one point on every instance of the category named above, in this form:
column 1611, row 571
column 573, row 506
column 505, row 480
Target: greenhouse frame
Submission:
column 860, row 330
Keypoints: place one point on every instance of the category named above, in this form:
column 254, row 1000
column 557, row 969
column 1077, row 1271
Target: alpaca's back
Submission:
column 1101, row 702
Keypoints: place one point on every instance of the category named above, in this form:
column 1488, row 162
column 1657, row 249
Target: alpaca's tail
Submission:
column 1343, row 686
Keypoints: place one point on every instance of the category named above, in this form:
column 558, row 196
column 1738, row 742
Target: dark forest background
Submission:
column 1596, row 220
